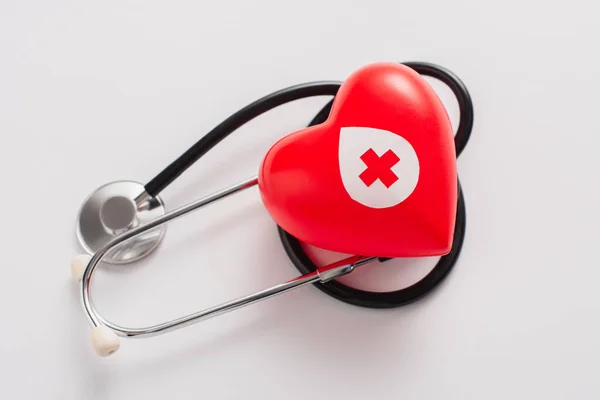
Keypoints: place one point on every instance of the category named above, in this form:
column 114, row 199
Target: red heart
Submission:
column 378, row 178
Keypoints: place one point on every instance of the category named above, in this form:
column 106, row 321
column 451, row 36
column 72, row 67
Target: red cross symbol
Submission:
column 379, row 168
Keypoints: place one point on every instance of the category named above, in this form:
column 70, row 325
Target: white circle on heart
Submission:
column 399, row 169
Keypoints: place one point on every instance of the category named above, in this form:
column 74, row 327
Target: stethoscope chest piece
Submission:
column 115, row 208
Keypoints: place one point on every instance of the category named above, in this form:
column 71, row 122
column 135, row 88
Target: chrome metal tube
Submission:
column 179, row 212
column 213, row 311
column 323, row 275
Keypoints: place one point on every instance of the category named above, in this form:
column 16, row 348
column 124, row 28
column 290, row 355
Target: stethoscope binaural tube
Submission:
column 100, row 323
column 105, row 334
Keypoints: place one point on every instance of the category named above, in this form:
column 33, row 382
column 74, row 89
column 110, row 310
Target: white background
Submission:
column 92, row 92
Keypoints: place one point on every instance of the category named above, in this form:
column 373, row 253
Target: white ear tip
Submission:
column 105, row 341
column 78, row 266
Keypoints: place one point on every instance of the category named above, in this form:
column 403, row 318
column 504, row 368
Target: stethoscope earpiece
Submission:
column 363, row 179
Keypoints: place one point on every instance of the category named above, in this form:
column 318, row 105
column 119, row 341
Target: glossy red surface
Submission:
column 310, row 182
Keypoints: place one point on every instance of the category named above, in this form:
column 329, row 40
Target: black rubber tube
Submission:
column 234, row 122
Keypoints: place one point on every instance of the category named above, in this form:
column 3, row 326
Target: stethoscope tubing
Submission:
column 234, row 122
column 311, row 274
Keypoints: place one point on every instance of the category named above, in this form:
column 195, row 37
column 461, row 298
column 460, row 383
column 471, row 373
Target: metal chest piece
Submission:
column 114, row 209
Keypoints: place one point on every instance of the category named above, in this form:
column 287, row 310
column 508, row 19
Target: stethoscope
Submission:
column 124, row 221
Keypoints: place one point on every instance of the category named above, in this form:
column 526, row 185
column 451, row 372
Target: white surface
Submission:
column 91, row 92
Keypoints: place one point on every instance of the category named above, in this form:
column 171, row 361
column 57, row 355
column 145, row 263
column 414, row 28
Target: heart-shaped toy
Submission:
column 377, row 178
